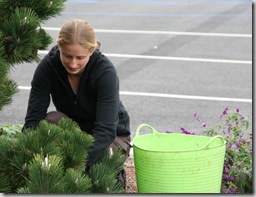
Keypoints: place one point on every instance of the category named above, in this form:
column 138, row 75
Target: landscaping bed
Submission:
column 131, row 185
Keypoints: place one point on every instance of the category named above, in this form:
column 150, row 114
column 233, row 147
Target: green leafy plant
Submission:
column 10, row 131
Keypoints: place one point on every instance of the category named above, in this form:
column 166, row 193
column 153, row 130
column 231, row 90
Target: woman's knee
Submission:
column 54, row 116
column 122, row 142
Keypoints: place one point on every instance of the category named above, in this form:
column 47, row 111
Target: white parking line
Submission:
column 177, row 96
column 169, row 58
column 175, row 33
column 24, row 87
column 178, row 58
column 162, row 32
column 185, row 97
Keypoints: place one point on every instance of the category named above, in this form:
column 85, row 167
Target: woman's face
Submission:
column 74, row 58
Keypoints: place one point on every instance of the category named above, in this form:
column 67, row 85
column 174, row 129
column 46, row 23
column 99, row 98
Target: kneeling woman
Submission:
column 84, row 86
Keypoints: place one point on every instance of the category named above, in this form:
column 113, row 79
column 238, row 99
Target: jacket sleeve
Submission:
column 106, row 86
column 39, row 98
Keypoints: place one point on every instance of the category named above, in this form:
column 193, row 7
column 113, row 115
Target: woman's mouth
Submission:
column 72, row 69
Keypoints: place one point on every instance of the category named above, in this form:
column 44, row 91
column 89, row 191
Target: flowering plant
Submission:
column 237, row 170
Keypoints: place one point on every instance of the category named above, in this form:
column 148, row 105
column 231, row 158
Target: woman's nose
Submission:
column 73, row 62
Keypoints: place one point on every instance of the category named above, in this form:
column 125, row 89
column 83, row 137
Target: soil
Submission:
column 131, row 185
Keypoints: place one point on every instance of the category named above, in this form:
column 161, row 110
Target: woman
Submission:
column 84, row 86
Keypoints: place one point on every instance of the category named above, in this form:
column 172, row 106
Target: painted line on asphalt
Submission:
column 147, row 94
column 169, row 58
column 164, row 3
column 24, row 87
column 174, row 33
column 175, row 96
column 161, row 32
column 136, row 14
column 178, row 58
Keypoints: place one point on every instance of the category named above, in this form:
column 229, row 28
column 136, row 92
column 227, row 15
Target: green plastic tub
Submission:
column 178, row 163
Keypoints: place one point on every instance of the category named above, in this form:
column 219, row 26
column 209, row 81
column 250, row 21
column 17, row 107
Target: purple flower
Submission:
column 241, row 118
column 237, row 110
column 225, row 176
column 232, row 190
column 229, row 127
column 225, row 112
column 241, row 136
column 230, row 145
column 233, row 178
column 184, row 131
column 203, row 124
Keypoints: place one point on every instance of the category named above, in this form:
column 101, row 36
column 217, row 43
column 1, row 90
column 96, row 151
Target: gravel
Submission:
column 131, row 185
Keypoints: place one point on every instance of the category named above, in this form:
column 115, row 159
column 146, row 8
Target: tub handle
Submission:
column 211, row 140
column 145, row 125
column 154, row 131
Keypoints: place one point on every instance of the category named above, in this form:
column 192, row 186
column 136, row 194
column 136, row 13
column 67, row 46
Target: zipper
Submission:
column 75, row 104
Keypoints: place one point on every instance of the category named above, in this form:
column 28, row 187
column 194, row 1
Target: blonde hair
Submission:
column 80, row 32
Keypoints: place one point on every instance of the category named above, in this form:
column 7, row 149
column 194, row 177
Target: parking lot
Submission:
column 173, row 58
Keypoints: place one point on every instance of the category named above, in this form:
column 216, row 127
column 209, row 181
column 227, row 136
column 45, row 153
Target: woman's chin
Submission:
column 73, row 71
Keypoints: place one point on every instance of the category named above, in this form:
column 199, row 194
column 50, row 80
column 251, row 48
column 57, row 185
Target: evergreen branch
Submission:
column 45, row 174
column 104, row 174
column 75, row 153
column 41, row 140
column 19, row 46
column 44, row 9
column 7, row 86
column 44, row 39
column 75, row 182
column 103, row 180
column 47, row 9
column 7, row 153
column 51, row 159
column 4, row 184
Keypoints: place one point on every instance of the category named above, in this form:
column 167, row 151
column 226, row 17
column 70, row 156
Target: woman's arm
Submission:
column 39, row 98
column 104, row 133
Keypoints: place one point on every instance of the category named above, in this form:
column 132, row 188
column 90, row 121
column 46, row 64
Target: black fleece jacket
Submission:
column 96, row 107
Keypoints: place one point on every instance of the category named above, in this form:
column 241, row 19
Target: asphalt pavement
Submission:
column 173, row 57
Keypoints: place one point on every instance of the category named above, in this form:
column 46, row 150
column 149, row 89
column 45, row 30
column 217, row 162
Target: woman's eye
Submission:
column 67, row 56
column 71, row 57
column 80, row 58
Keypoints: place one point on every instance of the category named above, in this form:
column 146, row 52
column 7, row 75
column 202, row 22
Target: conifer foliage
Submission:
column 21, row 36
column 49, row 158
